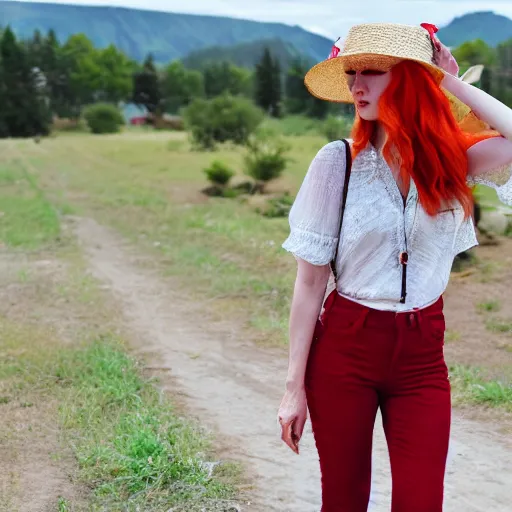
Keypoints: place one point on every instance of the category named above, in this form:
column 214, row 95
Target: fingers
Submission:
column 298, row 427
column 289, row 437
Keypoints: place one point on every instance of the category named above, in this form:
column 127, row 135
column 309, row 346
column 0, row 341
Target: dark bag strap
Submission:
column 348, row 169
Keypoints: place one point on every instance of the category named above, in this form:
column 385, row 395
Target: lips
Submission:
column 362, row 104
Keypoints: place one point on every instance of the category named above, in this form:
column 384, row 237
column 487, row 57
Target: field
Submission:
column 109, row 247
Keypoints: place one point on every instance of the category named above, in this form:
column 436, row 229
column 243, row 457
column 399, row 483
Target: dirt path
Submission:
column 234, row 387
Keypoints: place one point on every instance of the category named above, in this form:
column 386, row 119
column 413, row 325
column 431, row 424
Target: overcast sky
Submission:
column 327, row 17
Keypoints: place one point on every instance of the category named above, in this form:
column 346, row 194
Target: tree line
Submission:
column 42, row 78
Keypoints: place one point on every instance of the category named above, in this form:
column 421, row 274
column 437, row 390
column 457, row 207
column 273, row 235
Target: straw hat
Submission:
column 378, row 46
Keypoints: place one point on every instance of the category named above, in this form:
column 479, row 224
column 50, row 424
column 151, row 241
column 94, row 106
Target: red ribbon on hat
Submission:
column 335, row 50
column 432, row 30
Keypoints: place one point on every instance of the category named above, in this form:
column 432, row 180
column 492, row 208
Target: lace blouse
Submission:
column 377, row 228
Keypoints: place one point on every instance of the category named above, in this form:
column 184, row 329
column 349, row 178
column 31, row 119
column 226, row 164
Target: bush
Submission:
column 336, row 128
column 279, row 206
column 219, row 173
column 221, row 119
column 103, row 118
column 266, row 157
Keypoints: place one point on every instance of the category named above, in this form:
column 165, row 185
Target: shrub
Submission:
column 221, row 119
column 103, row 118
column 336, row 128
column 266, row 157
column 219, row 173
column 279, row 206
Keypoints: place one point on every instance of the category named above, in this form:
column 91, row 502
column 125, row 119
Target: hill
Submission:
column 246, row 54
column 137, row 32
column 490, row 27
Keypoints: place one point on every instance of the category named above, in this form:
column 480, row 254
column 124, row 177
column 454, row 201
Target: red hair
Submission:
column 423, row 138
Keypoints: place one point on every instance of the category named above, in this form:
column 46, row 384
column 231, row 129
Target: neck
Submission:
column 379, row 136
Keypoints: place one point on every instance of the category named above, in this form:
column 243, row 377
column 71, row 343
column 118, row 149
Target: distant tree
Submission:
column 223, row 77
column 298, row 98
column 78, row 64
column 180, row 86
column 268, row 93
column 25, row 112
column 46, row 54
column 146, row 86
column 115, row 79
column 474, row 52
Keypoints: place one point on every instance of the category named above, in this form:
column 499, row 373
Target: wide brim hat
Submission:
column 379, row 46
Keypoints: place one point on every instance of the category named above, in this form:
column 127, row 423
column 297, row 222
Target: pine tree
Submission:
column 146, row 86
column 268, row 84
column 25, row 110
column 297, row 96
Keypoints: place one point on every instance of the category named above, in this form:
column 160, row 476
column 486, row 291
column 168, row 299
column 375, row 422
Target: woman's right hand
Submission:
column 292, row 416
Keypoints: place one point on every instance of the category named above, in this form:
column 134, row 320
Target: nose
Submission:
column 359, row 84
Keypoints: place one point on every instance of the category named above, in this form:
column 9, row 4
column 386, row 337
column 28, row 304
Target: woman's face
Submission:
column 367, row 87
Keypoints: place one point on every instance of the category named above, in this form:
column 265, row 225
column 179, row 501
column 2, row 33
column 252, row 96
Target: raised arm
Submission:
column 489, row 161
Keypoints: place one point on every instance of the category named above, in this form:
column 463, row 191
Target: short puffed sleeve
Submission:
column 500, row 179
column 315, row 214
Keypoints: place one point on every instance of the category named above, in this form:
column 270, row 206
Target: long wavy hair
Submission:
column 423, row 139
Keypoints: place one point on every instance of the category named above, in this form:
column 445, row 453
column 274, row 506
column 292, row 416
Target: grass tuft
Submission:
column 499, row 325
column 471, row 386
column 130, row 445
column 489, row 306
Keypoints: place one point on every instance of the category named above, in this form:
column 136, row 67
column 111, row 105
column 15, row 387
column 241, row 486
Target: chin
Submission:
column 368, row 116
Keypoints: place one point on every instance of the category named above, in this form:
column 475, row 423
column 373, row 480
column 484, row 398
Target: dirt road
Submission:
column 234, row 388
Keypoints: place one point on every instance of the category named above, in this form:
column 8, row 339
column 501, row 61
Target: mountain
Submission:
column 246, row 54
column 490, row 27
column 167, row 36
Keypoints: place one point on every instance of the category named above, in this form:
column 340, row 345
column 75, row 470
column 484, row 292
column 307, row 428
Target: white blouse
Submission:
column 377, row 228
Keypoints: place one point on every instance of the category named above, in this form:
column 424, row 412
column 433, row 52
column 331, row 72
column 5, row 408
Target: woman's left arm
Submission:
column 489, row 161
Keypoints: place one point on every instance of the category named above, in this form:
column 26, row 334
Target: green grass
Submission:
column 295, row 125
column 499, row 325
column 452, row 336
column 490, row 306
column 27, row 219
column 471, row 386
column 63, row 505
column 134, row 451
column 131, row 445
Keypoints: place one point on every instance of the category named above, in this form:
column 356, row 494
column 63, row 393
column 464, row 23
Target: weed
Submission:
column 63, row 505
column 129, row 444
column 470, row 385
column 498, row 325
column 489, row 306
column 451, row 336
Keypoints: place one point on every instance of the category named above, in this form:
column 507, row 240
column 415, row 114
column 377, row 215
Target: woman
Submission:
column 407, row 214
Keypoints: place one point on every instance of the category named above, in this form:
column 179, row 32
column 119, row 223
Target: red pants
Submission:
column 364, row 359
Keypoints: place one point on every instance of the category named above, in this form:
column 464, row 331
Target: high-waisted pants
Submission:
column 363, row 359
